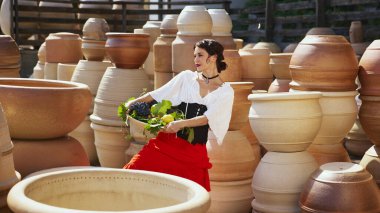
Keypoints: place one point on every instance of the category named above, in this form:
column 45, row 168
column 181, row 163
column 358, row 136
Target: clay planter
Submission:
column 9, row 57
column 279, row 179
column 221, row 22
column 255, row 63
column 329, row 187
column 279, row 130
column 290, row 48
column 127, row 50
column 234, row 70
column 371, row 162
column 369, row 83
column 240, row 107
column 63, row 48
column 316, row 64
column 169, row 25
column 195, row 21
column 370, row 58
column 356, row 32
column 95, row 29
column 320, row 31
column 273, row 47
column 162, row 50
column 76, row 190
column 279, row 65
column 45, row 109
column 369, row 116
column 93, row 50
column 137, row 131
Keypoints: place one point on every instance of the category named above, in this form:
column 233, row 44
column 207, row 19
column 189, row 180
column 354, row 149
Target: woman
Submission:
column 207, row 103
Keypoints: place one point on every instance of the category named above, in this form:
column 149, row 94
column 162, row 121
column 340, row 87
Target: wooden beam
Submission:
column 269, row 20
column 320, row 12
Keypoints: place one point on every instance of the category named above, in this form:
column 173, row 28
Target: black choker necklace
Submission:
column 208, row 78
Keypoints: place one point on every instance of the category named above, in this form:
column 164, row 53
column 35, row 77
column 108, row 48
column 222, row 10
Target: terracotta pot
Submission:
column 279, row 85
column 65, row 71
column 279, row 179
column 194, row 21
column 290, row 48
column 31, row 155
column 328, row 188
column 63, row 48
column 45, row 109
column 148, row 66
column 93, row 50
column 221, row 22
column 241, row 104
column 320, row 31
column 255, row 63
column 279, row 65
column 153, row 29
column 161, row 78
column 356, row 141
column 111, row 144
column 138, row 132
column 5, row 139
column 95, row 29
column 369, row 83
column 169, row 25
column 356, row 32
column 239, row 43
column 231, row 196
column 369, row 117
column 162, row 50
column 316, row 64
column 326, row 153
column 278, row 130
column 273, row 47
column 127, row 50
column 38, row 71
column 42, row 53
column 233, row 159
column 371, row 162
column 234, row 69
column 75, row 190
column 370, row 59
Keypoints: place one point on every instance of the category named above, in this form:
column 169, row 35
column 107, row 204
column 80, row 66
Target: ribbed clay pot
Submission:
column 241, row 104
column 329, row 188
column 316, row 64
column 95, row 29
column 63, row 48
column 369, row 83
column 279, row 85
column 153, row 29
column 169, row 25
column 76, row 190
column 356, row 32
column 320, row 31
column 279, row 65
column 370, row 59
column 45, row 108
column 369, row 116
column 9, row 57
column 280, row 130
column 234, row 69
column 194, row 21
column 93, row 50
column 371, row 162
column 279, row 179
column 127, row 50
column 273, row 47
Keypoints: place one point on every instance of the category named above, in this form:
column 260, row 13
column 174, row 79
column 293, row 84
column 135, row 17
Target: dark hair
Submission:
column 213, row 47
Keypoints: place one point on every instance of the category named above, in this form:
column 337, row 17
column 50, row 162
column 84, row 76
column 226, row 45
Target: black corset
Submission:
column 200, row 132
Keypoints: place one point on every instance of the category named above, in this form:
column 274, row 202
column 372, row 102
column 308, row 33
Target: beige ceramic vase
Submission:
column 234, row 69
column 78, row 189
column 221, row 28
column 45, row 109
column 194, row 21
column 63, row 48
column 38, row 71
column 273, row 47
column 65, row 71
column 279, row 179
column 153, row 29
column 95, row 29
column 169, row 25
column 329, row 187
column 241, row 104
column 94, row 50
column 279, row 65
column 371, row 162
column 51, row 71
column 316, row 64
column 279, row 130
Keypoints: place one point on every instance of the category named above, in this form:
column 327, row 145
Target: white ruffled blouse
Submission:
column 184, row 87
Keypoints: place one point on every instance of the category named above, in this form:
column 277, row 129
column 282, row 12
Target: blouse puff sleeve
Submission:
column 219, row 113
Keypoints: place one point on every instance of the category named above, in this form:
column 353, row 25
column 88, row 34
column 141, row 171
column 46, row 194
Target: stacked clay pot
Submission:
column 94, row 39
column 47, row 111
column 255, row 67
column 9, row 57
column 369, row 75
column 194, row 23
column 221, row 28
column 152, row 28
column 328, row 188
column 8, row 175
column 162, row 51
column 38, row 70
column 279, row 65
column 276, row 119
column 234, row 160
column 128, row 52
column 62, row 48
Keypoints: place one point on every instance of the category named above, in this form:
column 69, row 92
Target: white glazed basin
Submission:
column 107, row 190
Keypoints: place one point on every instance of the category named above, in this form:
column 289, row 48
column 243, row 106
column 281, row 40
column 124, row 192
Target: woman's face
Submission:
column 200, row 58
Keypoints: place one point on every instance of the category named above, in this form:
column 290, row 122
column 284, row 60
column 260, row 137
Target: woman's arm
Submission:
column 175, row 126
column 145, row 98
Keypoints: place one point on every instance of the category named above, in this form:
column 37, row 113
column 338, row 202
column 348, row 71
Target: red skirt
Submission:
column 170, row 154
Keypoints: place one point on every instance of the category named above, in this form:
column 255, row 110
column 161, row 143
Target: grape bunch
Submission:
column 141, row 108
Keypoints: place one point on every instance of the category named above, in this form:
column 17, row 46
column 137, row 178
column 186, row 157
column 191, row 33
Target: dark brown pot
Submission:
column 370, row 60
column 241, row 105
column 317, row 65
column 369, row 116
column 340, row 187
column 369, row 82
column 127, row 50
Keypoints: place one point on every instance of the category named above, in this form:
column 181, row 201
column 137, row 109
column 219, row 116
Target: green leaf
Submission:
column 190, row 138
column 122, row 112
column 160, row 109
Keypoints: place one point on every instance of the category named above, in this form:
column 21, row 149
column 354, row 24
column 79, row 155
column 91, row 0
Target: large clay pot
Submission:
column 35, row 155
column 320, row 31
column 221, row 22
column 162, row 50
column 161, row 78
column 93, row 50
column 279, row 65
column 153, row 29
column 63, row 48
column 273, row 47
column 369, row 116
column 241, row 104
column 329, row 187
column 95, row 29
column 112, row 189
column 195, row 21
column 370, row 59
column 369, row 83
column 127, row 50
column 41, row 109
column 234, row 69
column 316, row 64
column 51, row 71
column 356, row 32
column 279, row 179
column 371, row 162
column 169, row 25
column 279, row 130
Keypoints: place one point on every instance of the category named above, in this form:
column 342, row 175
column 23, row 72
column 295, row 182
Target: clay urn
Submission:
column 329, row 187
column 279, row 130
column 194, row 20
column 234, row 69
column 75, row 190
column 320, row 31
column 371, row 162
column 221, row 22
column 326, row 153
column 273, row 47
column 356, row 32
column 127, row 50
column 279, row 65
column 369, row 82
column 370, row 60
column 41, row 109
column 63, row 48
column 162, row 50
column 169, row 25
column 316, row 64
column 153, row 29
column 241, row 105
column 93, row 50
column 9, row 57
column 369, row 116
column 290, row 48
column 95, row 29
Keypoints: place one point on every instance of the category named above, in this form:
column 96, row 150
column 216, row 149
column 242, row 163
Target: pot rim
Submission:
column 51, row 84
column 284, row 96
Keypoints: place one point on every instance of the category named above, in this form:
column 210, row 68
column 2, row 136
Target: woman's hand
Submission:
column 174, row 126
